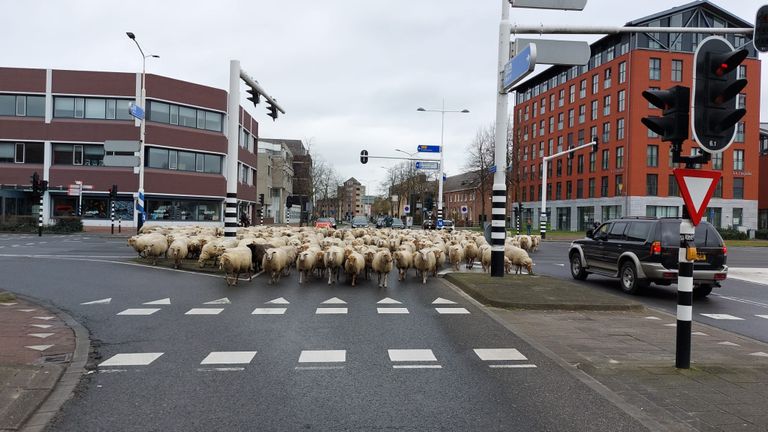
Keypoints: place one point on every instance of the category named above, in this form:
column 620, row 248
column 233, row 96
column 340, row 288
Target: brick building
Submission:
column 631, row 174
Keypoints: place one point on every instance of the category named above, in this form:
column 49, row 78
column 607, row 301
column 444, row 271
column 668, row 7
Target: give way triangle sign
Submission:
column 696, row 187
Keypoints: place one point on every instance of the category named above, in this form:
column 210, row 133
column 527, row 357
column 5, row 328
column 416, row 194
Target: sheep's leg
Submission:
column 330, row 276
column 424, row 277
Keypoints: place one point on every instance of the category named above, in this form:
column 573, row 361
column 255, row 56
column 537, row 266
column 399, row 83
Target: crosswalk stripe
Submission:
column 323, row 356
column 390, row 310
column 723, row 317
column 269, row 311
column 139, row 311
column 762, row 316
column 279, row 300
column 330, row 311
column 229, row 357
column 204, row 311
column 451, row 311
column 131, row 359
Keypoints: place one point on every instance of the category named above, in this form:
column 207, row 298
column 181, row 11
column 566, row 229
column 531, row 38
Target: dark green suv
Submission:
column 641, row 250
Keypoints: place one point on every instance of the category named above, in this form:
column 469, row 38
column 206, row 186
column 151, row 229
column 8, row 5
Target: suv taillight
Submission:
column 725, row 250
column 656, row 248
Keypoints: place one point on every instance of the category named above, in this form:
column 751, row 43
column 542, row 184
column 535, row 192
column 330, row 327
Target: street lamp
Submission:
column 403, row 151
column 442, row 112
column 139, row 208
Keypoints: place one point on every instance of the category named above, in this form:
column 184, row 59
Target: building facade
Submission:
column 55, row 122
column 350, row 197
column 631, row 173
column 275, row 179
column 762, row 201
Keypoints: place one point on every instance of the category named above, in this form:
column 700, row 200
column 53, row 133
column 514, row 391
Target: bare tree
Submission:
column 480, row 157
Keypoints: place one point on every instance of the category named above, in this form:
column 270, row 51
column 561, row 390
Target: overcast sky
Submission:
column 349, row 73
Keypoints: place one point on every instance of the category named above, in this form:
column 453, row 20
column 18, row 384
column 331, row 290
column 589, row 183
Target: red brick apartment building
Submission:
column 55, row 122
column 631, row 173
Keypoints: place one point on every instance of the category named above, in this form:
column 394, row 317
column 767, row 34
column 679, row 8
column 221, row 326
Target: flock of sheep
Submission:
column 326, row 253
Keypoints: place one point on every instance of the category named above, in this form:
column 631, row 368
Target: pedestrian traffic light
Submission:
column 35, row 183
column 272, row 111
column 261, row 199
column 595, row 143
column 113, row 191
column 570, row 152
column 715, row 89
column 674, row 103
column 428, row 203
column 364, row 156
column 255, row 97
column 43, row 186
column 760, row 36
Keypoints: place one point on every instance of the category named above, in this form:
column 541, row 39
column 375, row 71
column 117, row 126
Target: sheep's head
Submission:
column 528, row 264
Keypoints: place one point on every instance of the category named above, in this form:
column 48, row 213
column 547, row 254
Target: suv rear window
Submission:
column 638, row 231
column 705, row 235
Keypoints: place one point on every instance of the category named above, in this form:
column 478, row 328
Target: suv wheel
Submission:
column 630, row 283
column 577, row 270
column 702, row 291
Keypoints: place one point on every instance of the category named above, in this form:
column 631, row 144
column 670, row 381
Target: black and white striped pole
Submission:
column 40, row 215
column 233, row 116
column 112, row 216
column 685, row 292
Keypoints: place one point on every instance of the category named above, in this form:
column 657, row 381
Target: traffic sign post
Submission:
column 428, row 149
column 518, row 67
column 136, row 111
column 406, row 209
column 464, row 210
column 696, row 188
column 422, row 165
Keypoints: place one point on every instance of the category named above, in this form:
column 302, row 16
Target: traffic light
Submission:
column 364, row 156
column 570, row 153
column 113, row 192
column 715, row 89
column 673, row 124
column 428, row 203
column 261, row 199
column 255, row 97
column 595, row 142
column 35, row 183
column 272, row 111
column 760, row 37
column 43, row 186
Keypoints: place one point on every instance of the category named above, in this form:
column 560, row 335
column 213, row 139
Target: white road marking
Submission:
column 329, row 311
column 229, row 357
column 499, row 354
column 165, row 301
column 280, row 300
column 560, row 264
column 219, row 301
column 268, row 311
column 652, row 318
column 334, row 300
column 222, row 369
column 698, row 333
column 318, row 367
column 416, row 367
column 451, row 311
column 323, row 356
column 138, row 311
column 441, row 300
column 41, row 335
column 514, row 366
column 388, row 301
column 38, row 347
column 762, row 316
column 745, row 301
column 204, row 311
column 7, row 304
column 723, row 317
column 44, row 318
column 102, row 301
column 759, row 354
column 400, row 355
column 131, row 359
column 390, row 310
column 670, row 325
column 728, row 343
column 27, row 310
column 42, row 326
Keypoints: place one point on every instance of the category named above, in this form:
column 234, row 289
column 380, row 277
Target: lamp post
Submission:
column 139, row 207
column 442, row 112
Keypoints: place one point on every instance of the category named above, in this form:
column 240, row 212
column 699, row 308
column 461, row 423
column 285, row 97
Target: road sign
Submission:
column 428, row 149
column 557, row 52
column 121, row 161
column 136, row 111
column 492, row 169
column 425, row 165
column 549, row 4
column 122, row 146
column 439, row 223
column 696, row 187
column 406, row 209
column 464, row 209
column 519, row 66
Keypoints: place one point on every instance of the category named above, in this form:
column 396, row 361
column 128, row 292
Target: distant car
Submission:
column 325, row 223
column 447, row 225
column 381, row 222
column 359, row 222
column 428, row 224
column 397, row 224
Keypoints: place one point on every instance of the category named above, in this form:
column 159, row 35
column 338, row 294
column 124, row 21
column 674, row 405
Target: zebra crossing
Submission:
column 280, row 306
column 315, row 359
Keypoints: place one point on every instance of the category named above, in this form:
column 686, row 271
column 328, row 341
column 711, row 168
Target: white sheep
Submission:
column 425, row 262
column 354, row 265
column 485, row 259
column 156, row 246
column 403, row 261
column 519, row 257
column 235, row 261
column 333, row 260
column 471, row 253
column 525, row 242
column 455, row 256
column 382, row 265
column 274, row 263
column 305, row 263
column 178, row 250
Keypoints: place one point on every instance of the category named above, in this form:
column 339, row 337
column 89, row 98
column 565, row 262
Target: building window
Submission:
column 717, row 161
column 594, row 110
column 78, row 154
column 595, row 82
column 582, row 113
column 579, row 189
column 652, row 156
column 737, row 216
column 738, row 188
column 580, row 164
column 604, row 187
column 592, row 161
column 184, row 161
column 543, row 105
column 569, row 166
column 677, row 70
column 673, row 189
column 606, row 156
column 741, row 72
column 187, row 210
column 90, row 108
column 591, row 190
column 620, row 129
column 738, row 160
column 570, row 117
column 607, row 79
column 559, row 168
column 20, row 152
column 606, row 132
column 183, row 116
column 618, row 186
column 607, row 105
column 551, row 102
column 654, row 69
column 22, row 105
column 619, row 157
column 593, row 133
column 559, row 191
column 652, row 184
column 551, row 124
column 560, row 117
column 740, row 132
column 718, row 193
column 572, row 93
column 561, row 99
column 583, row 89
column 622, row 72
column 661, row 211
column 622, row 100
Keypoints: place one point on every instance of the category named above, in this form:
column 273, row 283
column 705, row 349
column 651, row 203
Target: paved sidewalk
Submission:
column 629, row 356
column 37, row 372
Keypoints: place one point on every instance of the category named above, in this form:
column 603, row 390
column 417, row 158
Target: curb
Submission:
column 579, row 374
column 65, row 387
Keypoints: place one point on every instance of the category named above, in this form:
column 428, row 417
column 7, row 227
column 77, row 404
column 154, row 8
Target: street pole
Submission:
column 499, row 200
column 543, row 213
column 233, row 116
column 440, row 171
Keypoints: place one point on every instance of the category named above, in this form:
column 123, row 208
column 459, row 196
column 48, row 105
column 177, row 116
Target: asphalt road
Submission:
column 304, row 369
column 738, row 306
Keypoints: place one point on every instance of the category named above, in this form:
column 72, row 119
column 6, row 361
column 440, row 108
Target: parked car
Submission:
column 428, row 224
column 397, row 224
column 447, row 225
column 359, row 222
column 323, row 223
column 381, row 222
column 641, row 250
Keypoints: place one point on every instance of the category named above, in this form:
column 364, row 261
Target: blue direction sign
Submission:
column 427, row 165
column 439, row 223
column 519, row 66
column 492, row 169
column 136, row 111
column 428, row 149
